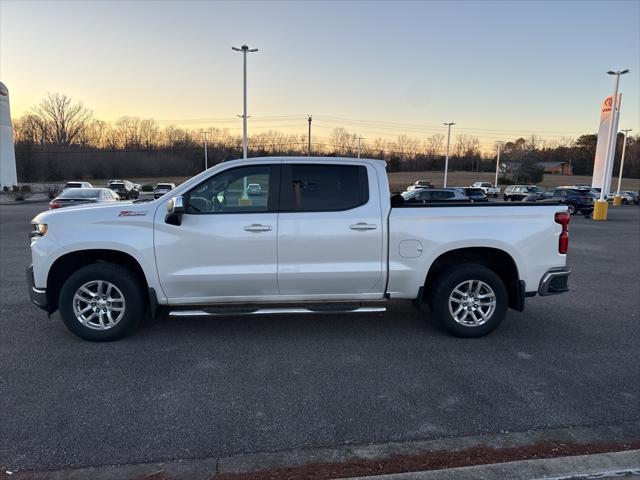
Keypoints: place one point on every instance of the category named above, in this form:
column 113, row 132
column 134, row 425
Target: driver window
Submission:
column 239, row 190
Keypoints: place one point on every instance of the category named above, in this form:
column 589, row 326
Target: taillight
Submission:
column 563, row 219
column 53, row 205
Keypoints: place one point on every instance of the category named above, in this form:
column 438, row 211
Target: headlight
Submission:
column 39, row 230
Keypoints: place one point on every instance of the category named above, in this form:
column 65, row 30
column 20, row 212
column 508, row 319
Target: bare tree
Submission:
column 343, row 142
column 31, row 129
column 467, row 146
column 94, row 134
column 433, row 145
column 149, row 133
column 65, row 119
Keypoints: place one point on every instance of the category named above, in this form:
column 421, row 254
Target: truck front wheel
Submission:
column 101, row 302
column 468, row 300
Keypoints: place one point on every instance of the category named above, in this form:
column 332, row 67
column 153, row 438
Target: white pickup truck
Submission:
column 320, row 235
column 487, row 188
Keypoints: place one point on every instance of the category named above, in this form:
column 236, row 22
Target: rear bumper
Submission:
column 38, row 296
column 555, row 281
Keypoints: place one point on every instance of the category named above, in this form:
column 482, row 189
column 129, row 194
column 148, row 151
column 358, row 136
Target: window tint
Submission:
column 317, row 188
column 425, row 195
column 229, row 192
column 442, row 195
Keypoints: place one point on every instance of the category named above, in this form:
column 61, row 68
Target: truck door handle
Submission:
column 256, row 227
column 363, row 226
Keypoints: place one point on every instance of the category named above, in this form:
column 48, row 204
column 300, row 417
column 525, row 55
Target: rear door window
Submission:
column 323, row 188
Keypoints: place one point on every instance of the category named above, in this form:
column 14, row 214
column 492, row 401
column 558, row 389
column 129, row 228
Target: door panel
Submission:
column 226, row 245
column 335, row 252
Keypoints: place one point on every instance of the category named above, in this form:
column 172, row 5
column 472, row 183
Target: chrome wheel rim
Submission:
column 571, row 209
column 472, row 303
column 99, row 305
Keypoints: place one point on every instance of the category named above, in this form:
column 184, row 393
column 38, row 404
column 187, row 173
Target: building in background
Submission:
column 557, row 168
column 8, row 175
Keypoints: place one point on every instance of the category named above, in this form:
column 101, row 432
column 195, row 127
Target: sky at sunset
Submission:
column 497, row 69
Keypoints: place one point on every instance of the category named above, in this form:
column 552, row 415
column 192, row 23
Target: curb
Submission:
column 208, row 468
column 602, row 465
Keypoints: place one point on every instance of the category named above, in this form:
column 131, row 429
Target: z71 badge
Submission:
column 132, row 213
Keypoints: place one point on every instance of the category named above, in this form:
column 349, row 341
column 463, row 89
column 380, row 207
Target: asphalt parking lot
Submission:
column 194, row 388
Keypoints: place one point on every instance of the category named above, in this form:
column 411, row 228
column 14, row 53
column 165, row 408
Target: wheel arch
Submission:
column 64, row 266
column 501, row 262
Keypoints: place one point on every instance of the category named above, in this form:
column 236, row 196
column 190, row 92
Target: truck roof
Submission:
column 305, row 158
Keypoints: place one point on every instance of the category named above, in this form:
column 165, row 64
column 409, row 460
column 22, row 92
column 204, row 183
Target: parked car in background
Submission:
column 628, row 197
column 517, row 193
column 254, row 189
column 124, row 188
column 162, row 188
column 487, row 188
column 419, row 184
column 524, row 191
column 596, row 192
column 576, row 199
column 425, row 195
column 82, row 196
column 77, row 185
column 474, row 194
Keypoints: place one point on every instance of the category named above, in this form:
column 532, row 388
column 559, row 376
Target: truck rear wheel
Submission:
column 101, row 302
column 469, row 300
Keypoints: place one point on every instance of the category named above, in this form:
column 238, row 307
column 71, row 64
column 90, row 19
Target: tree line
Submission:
column 60, row 138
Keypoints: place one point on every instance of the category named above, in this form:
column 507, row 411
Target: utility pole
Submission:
column 601, row 206
column 498, row 164
column 624, row 147
column 359, row 138
column 309, row 119
column 446, row 161
column 206, row 162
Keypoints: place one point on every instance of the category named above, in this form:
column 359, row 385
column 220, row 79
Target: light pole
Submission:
column 600, row 208
column 495, row 184
column 446, row 160
column 244, row 49
column 206, row 162
column 309, row 119
column 617, row 200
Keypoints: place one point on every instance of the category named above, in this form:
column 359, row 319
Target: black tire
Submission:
column 571, row 208
column 128, row 284
column 445, row 283
column 505, row 198
column 625, row 201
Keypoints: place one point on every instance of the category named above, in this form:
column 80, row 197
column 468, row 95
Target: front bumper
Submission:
column 38, row 296
column 555, row 281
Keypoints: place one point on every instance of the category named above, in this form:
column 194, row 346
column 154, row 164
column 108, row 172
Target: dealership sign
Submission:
column 602, row 176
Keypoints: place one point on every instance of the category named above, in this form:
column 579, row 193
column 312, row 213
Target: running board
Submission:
column 270, row 311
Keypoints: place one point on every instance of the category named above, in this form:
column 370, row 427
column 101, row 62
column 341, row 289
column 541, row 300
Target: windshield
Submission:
column 411, row 194
column 80, row 193
column 116, row 185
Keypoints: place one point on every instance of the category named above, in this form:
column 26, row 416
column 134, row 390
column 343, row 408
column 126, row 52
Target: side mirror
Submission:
column 175, row 209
